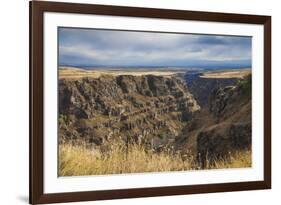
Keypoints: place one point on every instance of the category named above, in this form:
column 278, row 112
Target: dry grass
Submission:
column 76, row 73
column 227, row 74
column 116, row 158
column 239, row 159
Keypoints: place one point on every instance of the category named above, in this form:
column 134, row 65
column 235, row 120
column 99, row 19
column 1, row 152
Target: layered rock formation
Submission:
column 202, row 87
column 146, row 109
column 224, row 127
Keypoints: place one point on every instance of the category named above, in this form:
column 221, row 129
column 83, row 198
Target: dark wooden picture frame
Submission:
column 37, row 9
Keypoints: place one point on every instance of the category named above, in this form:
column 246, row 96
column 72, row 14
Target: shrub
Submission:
column 246, row 85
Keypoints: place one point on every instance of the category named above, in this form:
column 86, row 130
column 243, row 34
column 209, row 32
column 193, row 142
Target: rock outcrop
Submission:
column 148, row 109
column 202, row 87
column 223, row 127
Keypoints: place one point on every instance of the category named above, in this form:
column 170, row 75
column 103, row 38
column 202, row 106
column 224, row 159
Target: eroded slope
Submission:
column 148, row 109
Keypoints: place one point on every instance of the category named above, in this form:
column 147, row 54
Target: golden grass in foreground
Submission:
column 75, row 160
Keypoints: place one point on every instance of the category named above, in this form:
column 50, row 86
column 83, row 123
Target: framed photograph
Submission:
column 138, row 102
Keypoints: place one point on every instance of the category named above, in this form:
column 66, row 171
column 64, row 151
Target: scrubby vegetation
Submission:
column 117, row 157
column 245, row 85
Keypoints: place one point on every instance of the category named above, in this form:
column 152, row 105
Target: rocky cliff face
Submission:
column 224, row 126
column 202, row 87
column 148, row 109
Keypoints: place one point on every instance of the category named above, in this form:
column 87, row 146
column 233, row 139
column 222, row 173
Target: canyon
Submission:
column 203, row 114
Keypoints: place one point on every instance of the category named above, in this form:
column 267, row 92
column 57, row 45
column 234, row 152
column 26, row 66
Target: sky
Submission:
column 114, row 48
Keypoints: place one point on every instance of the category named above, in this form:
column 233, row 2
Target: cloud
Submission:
column 91, row 47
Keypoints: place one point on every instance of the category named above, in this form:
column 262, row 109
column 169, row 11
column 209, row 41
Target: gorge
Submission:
column 195, row 114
